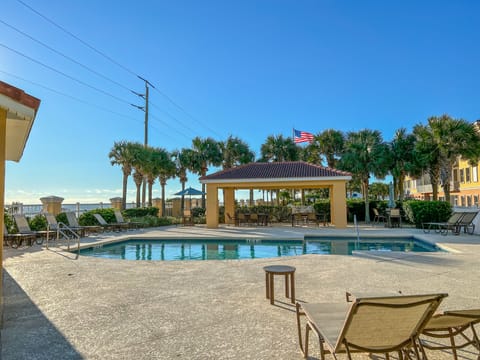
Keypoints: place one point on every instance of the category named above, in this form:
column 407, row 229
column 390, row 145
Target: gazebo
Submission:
column 276, row 175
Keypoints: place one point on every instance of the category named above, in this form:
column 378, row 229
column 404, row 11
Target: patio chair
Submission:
column 233, row 219
column 121, row 220
column 187, row 218
column 378, row 325
column 73, row 222
column 24, row 228
column 452, row 324
column 443, row 227
column 467, row 222
column 394, row 218
column 377, row 217
column 108, row 226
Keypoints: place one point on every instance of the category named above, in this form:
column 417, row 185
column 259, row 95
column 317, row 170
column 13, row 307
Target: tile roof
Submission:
column 275, row 170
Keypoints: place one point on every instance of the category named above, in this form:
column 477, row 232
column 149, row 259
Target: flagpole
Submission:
column 293, row 134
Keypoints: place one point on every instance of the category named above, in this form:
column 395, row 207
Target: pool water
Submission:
column 194, row 249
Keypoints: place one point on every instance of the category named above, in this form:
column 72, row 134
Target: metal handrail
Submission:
column 67, row 233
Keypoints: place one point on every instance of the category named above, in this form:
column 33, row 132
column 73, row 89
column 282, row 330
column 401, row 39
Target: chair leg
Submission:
column 299, row 328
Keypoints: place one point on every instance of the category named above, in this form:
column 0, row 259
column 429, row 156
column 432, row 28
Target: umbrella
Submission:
column 190, row 191
column 391, row 200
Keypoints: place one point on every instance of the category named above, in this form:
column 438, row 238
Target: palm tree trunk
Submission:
column 139, row 186
column 182, row 203
column 163, row 200
column 367, row 204
column 124, row 191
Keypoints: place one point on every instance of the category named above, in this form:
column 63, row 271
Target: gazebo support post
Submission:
column 229, row 203
column 338, row 205
column 212, row 206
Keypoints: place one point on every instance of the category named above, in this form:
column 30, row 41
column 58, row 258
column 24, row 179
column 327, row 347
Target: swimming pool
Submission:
column 225, row 249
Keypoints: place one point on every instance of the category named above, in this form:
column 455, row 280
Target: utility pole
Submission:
column 144, row 109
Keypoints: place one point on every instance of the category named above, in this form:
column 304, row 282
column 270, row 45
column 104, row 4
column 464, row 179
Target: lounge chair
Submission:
column 467, row 222
column 73, row 222
column 443, row 227
column 452, row 324
column 108, row 226
column 61, row 228
column 379, row 325
column 16, row 240
column 121, row 220
column 24, row 228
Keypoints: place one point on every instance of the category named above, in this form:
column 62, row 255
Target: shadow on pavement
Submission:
column 26, row 332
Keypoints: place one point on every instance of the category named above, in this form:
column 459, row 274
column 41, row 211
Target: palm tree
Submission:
column 152, row 169
column 139, row 164
column 278, row 148
column 402, row 149
column 166, row 171
column 365, row 153
column 331, row 143
column 122, row 154
column 235, row 152
column 447, row 139
column 206, row 152
column 183, row 160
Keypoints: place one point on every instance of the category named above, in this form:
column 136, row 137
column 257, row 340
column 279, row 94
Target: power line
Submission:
column 173, row 117
column 64, row 74
column 92, row 104
column 169, row 99
column 64, row 56
column 77, row 38
column 185, row 112
column 69, row 96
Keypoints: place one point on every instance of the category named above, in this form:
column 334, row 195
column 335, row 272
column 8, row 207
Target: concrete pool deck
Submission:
column 57, row 307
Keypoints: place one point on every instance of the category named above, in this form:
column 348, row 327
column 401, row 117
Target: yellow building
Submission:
column 464, row 185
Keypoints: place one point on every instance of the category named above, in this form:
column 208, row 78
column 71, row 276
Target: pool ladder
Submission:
column 357, row 230
column 65, row 232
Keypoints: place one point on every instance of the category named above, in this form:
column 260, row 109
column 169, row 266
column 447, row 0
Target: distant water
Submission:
column 78, row 208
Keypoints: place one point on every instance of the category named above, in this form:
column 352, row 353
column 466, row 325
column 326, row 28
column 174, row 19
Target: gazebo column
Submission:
column 212, row 206
column 229, row 203
column 338, row 205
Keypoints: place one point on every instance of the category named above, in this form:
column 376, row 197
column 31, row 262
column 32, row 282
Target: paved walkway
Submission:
column 57, row 307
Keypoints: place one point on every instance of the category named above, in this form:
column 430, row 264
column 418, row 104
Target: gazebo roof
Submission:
column 21, row 109
column 279, row 171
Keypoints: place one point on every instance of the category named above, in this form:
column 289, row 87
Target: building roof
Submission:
column 297, row 170
column 21, row 109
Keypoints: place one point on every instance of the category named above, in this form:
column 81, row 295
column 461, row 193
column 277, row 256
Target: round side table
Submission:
column 288, row 272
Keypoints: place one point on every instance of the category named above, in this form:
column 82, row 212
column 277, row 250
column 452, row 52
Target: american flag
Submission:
column 302, row 136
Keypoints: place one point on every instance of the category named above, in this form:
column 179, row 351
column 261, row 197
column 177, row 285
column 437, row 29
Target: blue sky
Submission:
column 244, row 68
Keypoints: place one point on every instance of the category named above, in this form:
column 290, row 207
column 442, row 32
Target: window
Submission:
column 462, row 200
column 475, row 174
column 462, row 177
column 475, row 200
column 467, row 174
column 455, row 174
column 469, row 201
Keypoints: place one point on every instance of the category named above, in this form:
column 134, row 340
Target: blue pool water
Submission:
column 195, row 249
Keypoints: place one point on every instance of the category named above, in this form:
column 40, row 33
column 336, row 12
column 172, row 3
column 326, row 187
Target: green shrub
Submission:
column 140, row 212
column 38, row 223
column 87, row 218
column 419, row 211
column 198, row 212
column 9, row 223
